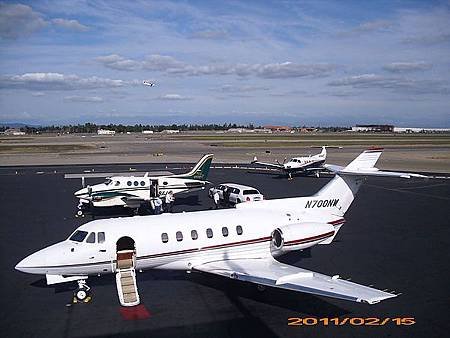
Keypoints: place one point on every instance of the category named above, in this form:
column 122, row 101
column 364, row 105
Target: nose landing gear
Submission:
column 82, row 294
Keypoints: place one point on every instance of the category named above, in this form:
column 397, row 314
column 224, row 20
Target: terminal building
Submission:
column 387, row 128
column 375, row 128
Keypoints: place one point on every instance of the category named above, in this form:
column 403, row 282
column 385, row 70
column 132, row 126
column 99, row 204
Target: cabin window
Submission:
column 117, row 183
column 194, row 234
column 239, row 230
column 101, row 237
column 142, row 183
column 225, row 231
column 78, row 236
column 91, row 238
column 129, row 183
column 209, row 233
column 108, row 181
column 165, row 183
column 164, row 237
column 179, row 236
column 136, row 183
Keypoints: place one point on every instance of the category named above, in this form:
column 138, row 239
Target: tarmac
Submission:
column 397, row 237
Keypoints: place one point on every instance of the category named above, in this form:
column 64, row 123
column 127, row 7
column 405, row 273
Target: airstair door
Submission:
column 126, row 278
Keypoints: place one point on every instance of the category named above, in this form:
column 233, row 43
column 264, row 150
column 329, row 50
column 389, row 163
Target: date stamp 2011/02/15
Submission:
column 353, row 321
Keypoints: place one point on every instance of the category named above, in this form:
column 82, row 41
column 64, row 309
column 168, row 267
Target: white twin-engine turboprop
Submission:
column 301, row 164
column 241, row 243
column 132, row 192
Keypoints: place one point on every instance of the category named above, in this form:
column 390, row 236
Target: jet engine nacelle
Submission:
column 299, row 236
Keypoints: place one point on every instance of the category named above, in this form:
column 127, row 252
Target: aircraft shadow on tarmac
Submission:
column 233, row 289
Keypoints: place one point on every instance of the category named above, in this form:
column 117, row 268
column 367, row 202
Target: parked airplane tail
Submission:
column 200, row 170
column 323, row 153
column 348, row 180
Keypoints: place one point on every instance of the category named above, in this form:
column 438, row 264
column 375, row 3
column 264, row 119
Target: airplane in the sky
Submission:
column 240, row 243
column 302, row 164
column 148, row 83
column 133, row 192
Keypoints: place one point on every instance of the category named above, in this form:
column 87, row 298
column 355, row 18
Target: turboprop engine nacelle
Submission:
column 299, row 236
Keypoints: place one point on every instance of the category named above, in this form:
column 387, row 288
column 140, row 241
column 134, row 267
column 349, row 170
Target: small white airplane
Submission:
column 133, row 192
column 241, row 243
column 303, row 164
column 148, row 83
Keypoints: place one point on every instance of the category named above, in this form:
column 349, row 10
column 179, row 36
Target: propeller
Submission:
column 89, row 189
column 285, row 159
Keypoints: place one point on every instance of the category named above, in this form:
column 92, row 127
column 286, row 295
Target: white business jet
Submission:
column 133, row 192
column 302, row 164
column 241, row 243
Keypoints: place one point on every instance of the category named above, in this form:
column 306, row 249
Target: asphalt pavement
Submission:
column 397, row 237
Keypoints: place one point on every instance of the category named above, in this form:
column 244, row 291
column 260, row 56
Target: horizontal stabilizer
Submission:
column 371, row 172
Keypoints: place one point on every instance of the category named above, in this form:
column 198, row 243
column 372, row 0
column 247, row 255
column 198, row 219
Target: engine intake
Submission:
column 299, row 236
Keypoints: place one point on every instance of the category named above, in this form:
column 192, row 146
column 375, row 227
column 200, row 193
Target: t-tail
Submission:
column 345, row 185
column 200, row 170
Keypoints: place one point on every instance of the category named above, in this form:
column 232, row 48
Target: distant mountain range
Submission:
column 17, row 125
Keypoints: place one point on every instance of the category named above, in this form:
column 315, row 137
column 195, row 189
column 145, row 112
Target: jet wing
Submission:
column 269, row 272
column 314, row 169
column 271, row 165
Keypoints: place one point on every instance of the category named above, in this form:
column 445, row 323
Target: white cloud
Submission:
column 229, row 88
column 37, row 94
column 118, row 62
column 290, row 70
column 398, row 84
column 57, row 81
column 173, row 97
column 170, row 65
column 70, row 24
column 368, row 27
column 18, row 20
column 402, row 67
column 76, row 98
column 428, row 40
column 162, row 63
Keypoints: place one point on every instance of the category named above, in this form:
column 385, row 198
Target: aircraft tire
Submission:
column 81, row 294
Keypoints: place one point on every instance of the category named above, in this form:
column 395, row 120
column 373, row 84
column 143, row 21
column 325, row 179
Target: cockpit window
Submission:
column 91, row 238
column 108, row 181
column 101, row 237
column 78, row 236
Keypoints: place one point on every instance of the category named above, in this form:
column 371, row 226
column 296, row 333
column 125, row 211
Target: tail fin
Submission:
column 200, row 170
column 365, row 160
column 345, row 185
column 323, row 152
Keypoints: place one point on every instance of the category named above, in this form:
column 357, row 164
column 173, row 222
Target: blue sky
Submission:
column 262, row 62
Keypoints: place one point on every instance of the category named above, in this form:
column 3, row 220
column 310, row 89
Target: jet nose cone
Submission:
column 32, row 264
column 80, row 192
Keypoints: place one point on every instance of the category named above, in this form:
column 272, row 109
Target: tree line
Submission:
column 87, row 128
